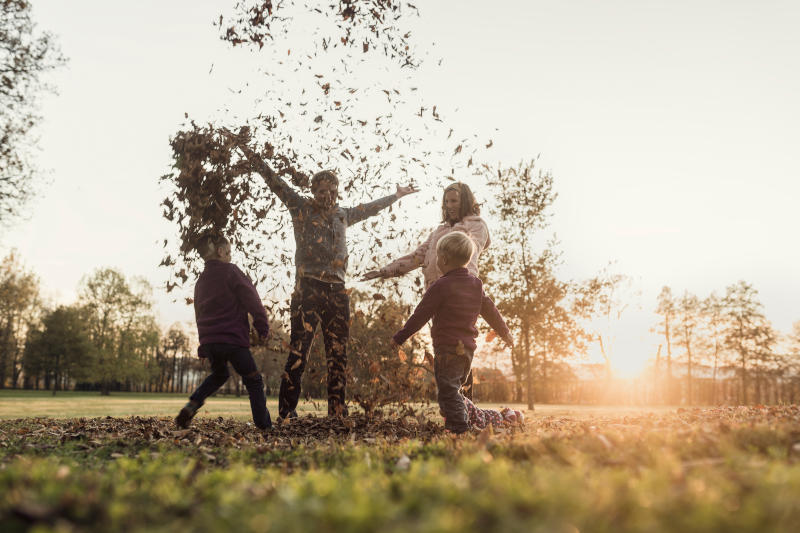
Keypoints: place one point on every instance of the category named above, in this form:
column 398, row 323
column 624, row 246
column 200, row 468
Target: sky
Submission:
column 671, row 129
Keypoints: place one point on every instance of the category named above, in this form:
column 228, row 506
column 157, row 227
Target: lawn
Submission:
column 69, row 404
column 721, row 470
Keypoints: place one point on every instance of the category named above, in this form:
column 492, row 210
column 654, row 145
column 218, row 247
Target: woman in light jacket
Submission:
column 460, row 212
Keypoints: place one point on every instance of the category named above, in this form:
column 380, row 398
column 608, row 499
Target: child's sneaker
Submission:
column 520, row 416
column 509, row 415
column 186, row 415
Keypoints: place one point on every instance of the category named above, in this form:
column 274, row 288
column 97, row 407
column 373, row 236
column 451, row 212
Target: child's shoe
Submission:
column 520, row 416
column 509, row 415
column 186, row 415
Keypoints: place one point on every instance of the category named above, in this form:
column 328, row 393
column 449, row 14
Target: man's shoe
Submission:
column 186, row 415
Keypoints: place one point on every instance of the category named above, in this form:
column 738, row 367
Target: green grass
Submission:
column 66, row 404
column 726, row 470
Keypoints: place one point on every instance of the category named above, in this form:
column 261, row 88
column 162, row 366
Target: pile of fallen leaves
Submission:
column 702, row 425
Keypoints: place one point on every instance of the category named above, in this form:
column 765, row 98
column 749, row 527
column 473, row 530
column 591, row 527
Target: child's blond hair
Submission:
column 457, row 246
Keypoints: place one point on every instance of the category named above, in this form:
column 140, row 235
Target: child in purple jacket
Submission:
column 223, row 296
column 454, row 302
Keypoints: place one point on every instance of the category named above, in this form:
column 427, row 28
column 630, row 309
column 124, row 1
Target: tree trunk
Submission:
column 670, row 393
column 744, row 378
column 528, row 371
column 655, row 376
column 689, row 374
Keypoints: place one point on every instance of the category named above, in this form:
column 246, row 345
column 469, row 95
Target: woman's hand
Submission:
column 373, row 275
column 393, row 345
column 403, row 191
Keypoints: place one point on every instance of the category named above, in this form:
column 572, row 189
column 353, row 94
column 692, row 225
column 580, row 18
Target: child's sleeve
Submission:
column 247, row 294
column 407, row 263
column 425, row 310
column 286, row 194
column 492, row 316
column 363, row 211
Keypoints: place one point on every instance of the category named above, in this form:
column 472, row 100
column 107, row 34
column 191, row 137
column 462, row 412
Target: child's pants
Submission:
column 327, row 304
column 242, row 361
column 480, row 418
column 450, row 371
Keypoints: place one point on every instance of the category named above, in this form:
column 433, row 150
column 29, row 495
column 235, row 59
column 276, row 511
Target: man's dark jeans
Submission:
column 315, row 302
column 451, row 371
column 240, row 358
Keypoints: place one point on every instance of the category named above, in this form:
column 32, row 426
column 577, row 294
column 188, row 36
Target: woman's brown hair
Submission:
column 469, row 205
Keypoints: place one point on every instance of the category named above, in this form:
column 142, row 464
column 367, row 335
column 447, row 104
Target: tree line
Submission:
column 108, row 339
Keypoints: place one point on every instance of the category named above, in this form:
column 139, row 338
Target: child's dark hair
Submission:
column 207, row 246
column 469, row 205
column 325, row 175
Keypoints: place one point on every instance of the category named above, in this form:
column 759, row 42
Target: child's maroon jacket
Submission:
column 454, row 302
column 223, row 296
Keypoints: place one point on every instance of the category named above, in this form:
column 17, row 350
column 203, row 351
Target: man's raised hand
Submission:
column 244, row 148
column 403, row 191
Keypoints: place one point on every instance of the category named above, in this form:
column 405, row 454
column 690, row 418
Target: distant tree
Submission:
column 177, row 343
column 793, row 361
column 668, row 309
column 744, row 329
column 121, row 326
column 25, row 57
column 522, row 197
column 61, row 350
column 614, row 293
column 20, row 309
column 686, row 335
column 713, row 313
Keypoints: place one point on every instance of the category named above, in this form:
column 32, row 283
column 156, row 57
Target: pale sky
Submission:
column 672, row 131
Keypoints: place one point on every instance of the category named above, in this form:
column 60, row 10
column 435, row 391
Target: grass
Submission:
column 722, row 470
column 70, row 404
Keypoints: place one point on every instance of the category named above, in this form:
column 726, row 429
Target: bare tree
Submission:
column 686, row 337
column 667, row 308
column 743, row 328
column 713, row 312
column 615, row 293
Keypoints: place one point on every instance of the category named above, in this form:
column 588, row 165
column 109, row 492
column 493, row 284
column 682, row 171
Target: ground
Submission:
column 598, row 469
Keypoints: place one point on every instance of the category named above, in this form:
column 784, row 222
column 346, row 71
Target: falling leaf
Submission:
column 491, row 336
column 402, row 355
column 377, row 296
column 460, row 350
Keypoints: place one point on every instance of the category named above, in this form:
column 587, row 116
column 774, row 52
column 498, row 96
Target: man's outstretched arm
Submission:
column 277, row 185
column 363, row 211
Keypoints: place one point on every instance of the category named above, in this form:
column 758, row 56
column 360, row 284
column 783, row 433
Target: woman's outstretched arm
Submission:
column 402, row 265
